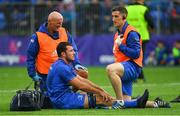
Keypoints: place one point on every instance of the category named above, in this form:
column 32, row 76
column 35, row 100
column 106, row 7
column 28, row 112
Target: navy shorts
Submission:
column 131, row 73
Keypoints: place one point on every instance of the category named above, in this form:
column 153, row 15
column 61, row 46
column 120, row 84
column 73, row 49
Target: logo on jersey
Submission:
column 80, row 97
column 32, row 40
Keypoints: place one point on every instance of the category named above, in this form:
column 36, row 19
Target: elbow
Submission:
column 82, row 87
column 78, row 87
column 136, row 55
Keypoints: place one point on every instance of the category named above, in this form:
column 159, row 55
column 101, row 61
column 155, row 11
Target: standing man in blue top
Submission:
column 62, row 77
column 41, row 52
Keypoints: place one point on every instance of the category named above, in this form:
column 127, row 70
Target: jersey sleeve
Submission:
column 67, row 74
column 71, row 40
column 32, row 52
column 133, row 47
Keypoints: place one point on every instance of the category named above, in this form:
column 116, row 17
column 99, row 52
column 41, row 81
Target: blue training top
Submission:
column 34, row 47
column 58, row 79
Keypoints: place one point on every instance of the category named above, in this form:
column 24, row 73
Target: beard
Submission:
column 69, row 60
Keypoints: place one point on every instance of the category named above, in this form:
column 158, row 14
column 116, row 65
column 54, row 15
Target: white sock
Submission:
column 155, row 105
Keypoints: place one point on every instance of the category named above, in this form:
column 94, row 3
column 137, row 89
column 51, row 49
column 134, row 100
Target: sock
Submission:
column 131, row 103
column 155, row 105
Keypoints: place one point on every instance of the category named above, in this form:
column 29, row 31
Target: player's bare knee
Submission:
column 109, row 69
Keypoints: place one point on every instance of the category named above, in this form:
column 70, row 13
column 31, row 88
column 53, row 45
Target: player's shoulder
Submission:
column 134, row 35
column 59, row 67
column 60, row 64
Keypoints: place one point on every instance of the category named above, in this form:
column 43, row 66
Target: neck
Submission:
column 140, row 2
column 50, row 31
column 65, row 60
column 121, row 26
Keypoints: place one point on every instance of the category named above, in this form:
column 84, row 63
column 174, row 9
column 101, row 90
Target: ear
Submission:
column 124, row 18
column 63, row 54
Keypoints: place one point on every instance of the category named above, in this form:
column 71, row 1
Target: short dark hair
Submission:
column 121, row 9
column 62, row 47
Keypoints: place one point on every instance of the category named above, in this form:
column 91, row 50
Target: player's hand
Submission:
column 78, row 66
column 81, row 71
column 105, row 96
column 119, row 39
column 37, row 78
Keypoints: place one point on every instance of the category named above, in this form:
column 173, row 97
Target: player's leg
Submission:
column 177, row 99
column 96, row 101
column 136, row 103
column 115, row 71
column 81, row 101
column 158, row 103
column 131, row 73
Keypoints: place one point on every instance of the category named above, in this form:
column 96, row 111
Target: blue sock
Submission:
column 131, row 103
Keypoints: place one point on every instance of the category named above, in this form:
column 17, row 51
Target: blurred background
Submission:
column 89, row 22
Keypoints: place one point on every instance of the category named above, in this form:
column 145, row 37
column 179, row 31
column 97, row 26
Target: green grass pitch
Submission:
column 161, row 81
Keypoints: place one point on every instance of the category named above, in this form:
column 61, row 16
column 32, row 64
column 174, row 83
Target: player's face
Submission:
column 117, row 19
column 70, row 54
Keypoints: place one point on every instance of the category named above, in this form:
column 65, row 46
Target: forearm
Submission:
column 31, row 60
column 31, row 67
column 133, row 53
column 88, row 88
column 74, row 89
column 91, row 84
column 84, row 85
column 32, row 52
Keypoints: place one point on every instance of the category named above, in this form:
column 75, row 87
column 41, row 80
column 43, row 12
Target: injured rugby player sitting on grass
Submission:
column 62, row 77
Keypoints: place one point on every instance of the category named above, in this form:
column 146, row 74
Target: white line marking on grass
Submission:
column 7, row 91
column 135, row 85
column 6, row 75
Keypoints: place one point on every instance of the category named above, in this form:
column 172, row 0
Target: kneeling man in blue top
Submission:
column 128, row 59
column 62, row 78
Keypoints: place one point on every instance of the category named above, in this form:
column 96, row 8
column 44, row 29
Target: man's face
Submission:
column 69, row 54
column 56, row 24
column 117, row 19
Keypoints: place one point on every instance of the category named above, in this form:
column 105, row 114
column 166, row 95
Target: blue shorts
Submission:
column 131, row 73
column 70, row 101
